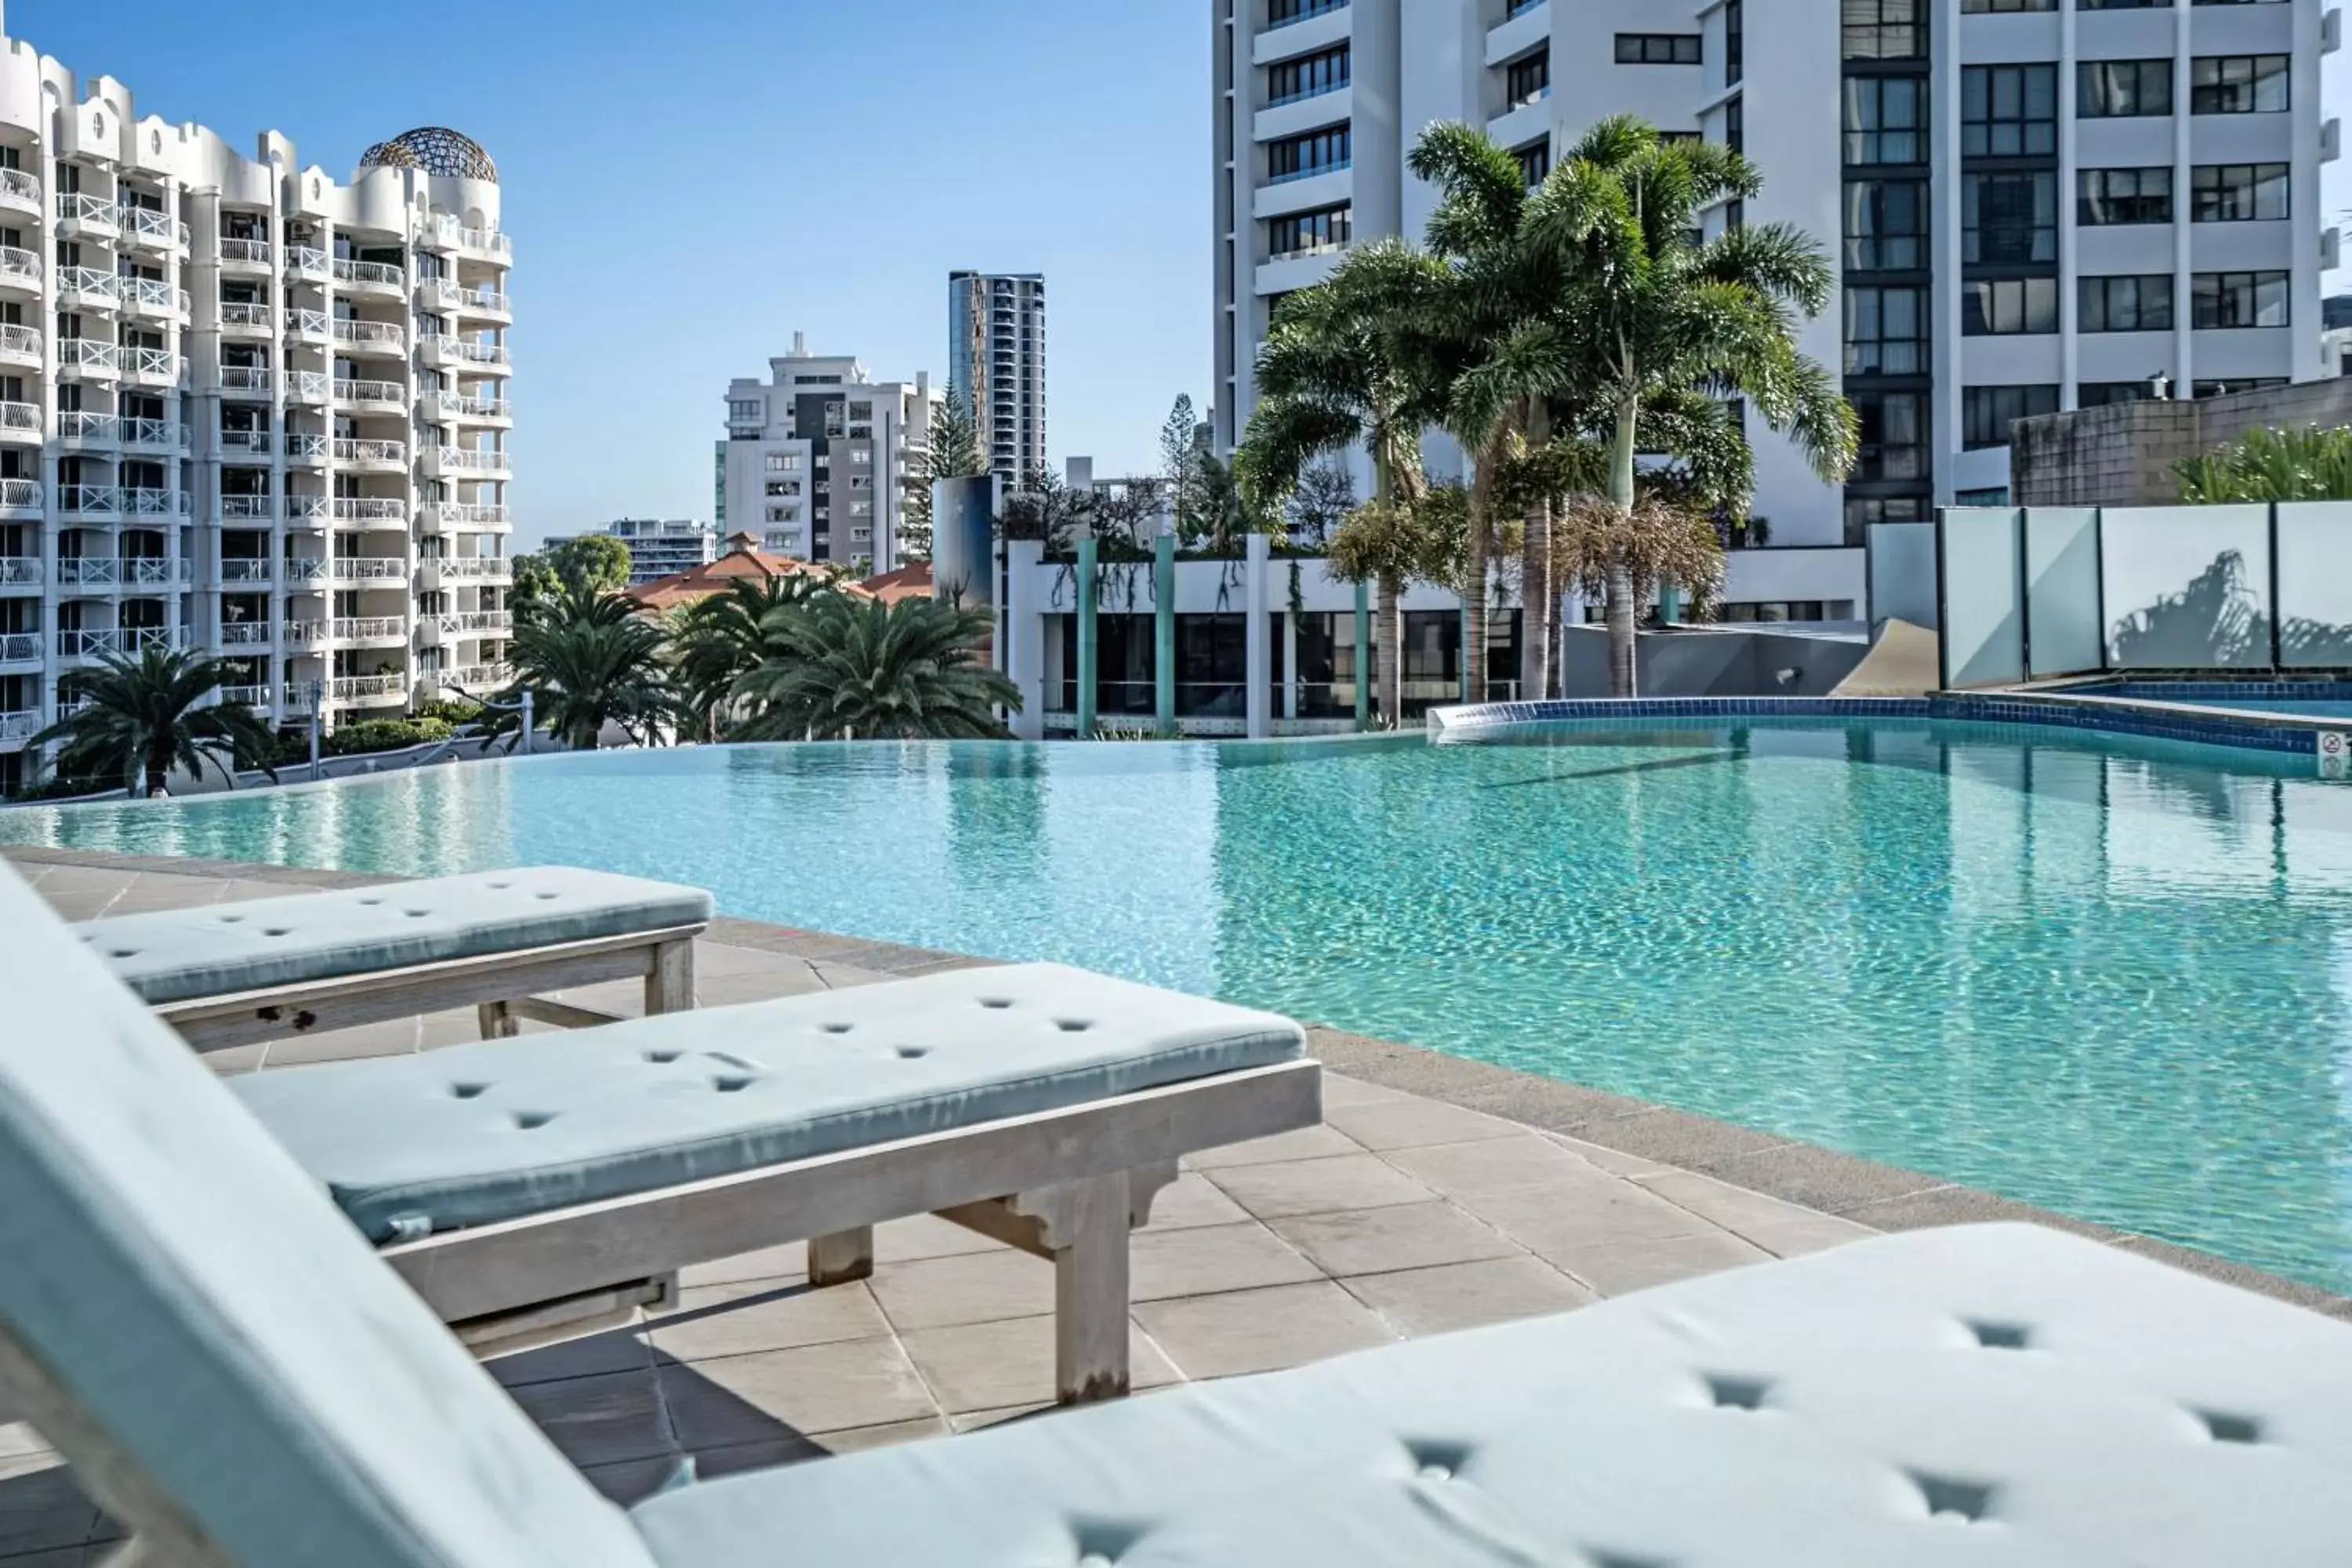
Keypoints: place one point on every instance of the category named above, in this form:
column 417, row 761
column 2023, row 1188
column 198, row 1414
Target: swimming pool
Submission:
column 2108, row 975
column 2302, row 700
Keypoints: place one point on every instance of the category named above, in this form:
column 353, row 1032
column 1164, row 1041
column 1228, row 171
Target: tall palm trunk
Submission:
column 1390, row 610
column 1536, row 594
column 1474, row 575
column 1624, row 675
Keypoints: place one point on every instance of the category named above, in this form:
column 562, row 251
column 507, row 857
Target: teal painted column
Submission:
column 1164, row 632
column 1363, row 656
column 1670, row 604
column 1089, row 662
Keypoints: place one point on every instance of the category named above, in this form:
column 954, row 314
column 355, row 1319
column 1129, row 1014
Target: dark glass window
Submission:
column 2137, row 302
column 2009, row 111
column 1886, row 331
column 1887, row 225
column 2108, row 198
column 1987, row 412
column 1315, row 152
column 1884, row 29
column 1885, row 119
column 2009, row 220
column 1325, row 70
column 2237, row 193
column 1999, row 307
column 2239, row 84
column 1658, row 49
column 2238, row 300
column 1893, row 434
column 2111, row 90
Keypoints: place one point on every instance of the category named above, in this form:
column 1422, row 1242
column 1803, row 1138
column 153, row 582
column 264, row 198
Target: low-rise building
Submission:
column 744, row 562
column 659, row 547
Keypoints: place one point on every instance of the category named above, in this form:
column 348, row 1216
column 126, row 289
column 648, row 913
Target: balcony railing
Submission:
column 114, row 639
column 24, row 416
column 350, row 686
column 298, row 508
column 350, row 389
column 465, row 349
column 381, row 334
column 466, row 461
column 262, row 507
column 379, row 272
column 476, row 677
column 245, row 250
column 246, row 443
column 151, row 294
column 84, row 570
column 20, row 647
column 306, row 385
column 304, row 324
column 484, row 301
column 361, row 508
column 146, row 222
column 305, row 262
column 16, row 186
column 91, row 285
column 472, row 568
column 459, row 406
column 301, row 447
column 16, row 262
column 484, row 240
column 21, row 723
column 141, row 502
column 474, row 513
column 18, row 494
column 369, row 569
column 349, row 450
column 90, row 498
column 302, row 632
column 245, row 378
column 76, row 207
column 163, row 434
column 244, row 696
column 304, row 569
column 245, row 568
column 19, row 339
column 21, row 571
column 151, row 364
column 244, row 314
column 462, row 623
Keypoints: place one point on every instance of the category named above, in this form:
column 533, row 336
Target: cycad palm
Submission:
column 588, row 660
column 720, row 640
column 1349, row 363
column 142, row 718
column 844, row 668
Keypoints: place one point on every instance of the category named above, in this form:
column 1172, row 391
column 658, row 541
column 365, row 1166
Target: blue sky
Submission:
column 689, row 180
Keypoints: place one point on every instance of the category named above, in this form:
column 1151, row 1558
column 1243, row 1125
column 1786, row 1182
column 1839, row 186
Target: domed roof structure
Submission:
column 437, row 150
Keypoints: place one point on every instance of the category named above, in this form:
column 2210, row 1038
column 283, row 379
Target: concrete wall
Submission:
column 1714, row 663
column 2123, row 455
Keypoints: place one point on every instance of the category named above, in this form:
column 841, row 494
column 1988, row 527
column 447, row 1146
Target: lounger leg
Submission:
column 497, row 1020
column 1090, row 1291
column 669, row 984
column 845, row 1255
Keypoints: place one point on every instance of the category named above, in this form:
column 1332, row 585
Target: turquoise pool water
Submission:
column 2106, row 975
column 2301, row 707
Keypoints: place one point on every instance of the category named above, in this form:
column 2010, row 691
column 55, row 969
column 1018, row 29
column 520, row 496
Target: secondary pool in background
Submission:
column 2106, row 975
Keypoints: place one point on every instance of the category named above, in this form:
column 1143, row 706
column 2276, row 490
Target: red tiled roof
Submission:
column 907, row 583
column 740, row 564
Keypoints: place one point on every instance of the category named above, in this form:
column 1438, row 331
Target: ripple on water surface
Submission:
column 2108, row 976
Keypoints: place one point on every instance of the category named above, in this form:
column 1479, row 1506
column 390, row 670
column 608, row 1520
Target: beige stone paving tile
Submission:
column 602, row 1420
column 963, row 1288
column 1615, row 1161
column 1439, row 1300
column 738, row 1458
column 1415, row 1123
column 926, row 1235
column 1382, row 1240
column 725, row 958
column 1784, row 1229
column 1618, row 1267
column 1592, row 1211
column 789, row 1261
column 1317, row 1186
column 764, row 1315
column 1191, row 1200
column 393, row 1038
column 771, row 1394
column 1209, row 1258
column 986, row 1366
column 1305, row 1143
column 1258, row 1331
column 856, row 1439
column 1338, row 1088
column 1493, row 1166
column 737, row 990
column 973, row 1420
column 597, row 1355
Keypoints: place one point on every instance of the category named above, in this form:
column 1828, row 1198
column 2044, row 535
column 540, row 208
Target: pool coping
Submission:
column 1623, row 1133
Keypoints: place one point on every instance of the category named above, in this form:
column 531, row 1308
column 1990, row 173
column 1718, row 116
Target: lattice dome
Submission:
column 437, row 150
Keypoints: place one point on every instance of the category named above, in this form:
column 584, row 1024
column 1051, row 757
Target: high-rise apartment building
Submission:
column 996, row 363
column 245, row 409
column 819, row 459
column 2032, row 205
column 659, row 547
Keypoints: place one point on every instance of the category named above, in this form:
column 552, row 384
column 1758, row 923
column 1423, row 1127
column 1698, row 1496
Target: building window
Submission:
column 2238, row 84
column 2223, row 388
column 2009, row 220
column 1527, row 80
column 1861, row 511
column 2110, row 197
column 2238, row 300
column 2009, row 111
column 1887, row 225
column 1885, row 29
column 1893, row 434
column 1309, row 76
column 2136, row 303
column 2003, row 307
column 1658, row 49
column 1314, row 152
column 1885, row 119
column 1305, row 234
column 2100, row 394
column 1998, row 495
column 2237, row 193
column 1987, row 412
column 1534, row 160
column 1885, row 331
column 1280, row 12
column 2005, row 7
column 746, row 411
column 783, row 462
column 1735, row 43
column 2115, row 89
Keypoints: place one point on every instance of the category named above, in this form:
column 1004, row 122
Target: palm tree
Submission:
column 716, row 642
column 139, row 719
column 844, row 668
column 1349, row 362
column 1649, row 314
column 588, row 659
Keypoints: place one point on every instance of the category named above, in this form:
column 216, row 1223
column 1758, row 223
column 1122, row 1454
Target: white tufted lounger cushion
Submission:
column 219, row 949
column 1994, row 1394
column 416, row 1145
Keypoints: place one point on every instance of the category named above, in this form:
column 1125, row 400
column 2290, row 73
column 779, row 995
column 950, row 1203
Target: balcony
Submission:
column 244, row 319
column 20, row 344
column 245, row 257
column 138, row 571
column 89, row 290
column 446, row 514
column 20, row 495
column 307, row 450
column 20, row 647
column 88, row 571
column 306, row 388
column 371, row 337
column 385, row 569
column 144, row 228
column 241, row 696
column 378, row 456
column 307, row 511
column 90, row 501
column 20, row 724
column 21, row 572
column 248, row 508
column 20, row 422
column 380, row 277
column 140, row 502
column 103, row 640
column 246, row 381
column 369, row 508
column 475, row 677
column 471, row 623
column 245, row 447
column 441, row 349
column 389, row 396
column 307, row 326
column 461, row 462
column 486, row 242
column 374, row 690
column 245, row 568
column 368, row 630
column 159, row 436
column 306, row 265
column 302, row 634
column 87, row 359
column 459, row 407
column 20, row 191
column 85, row 217
column 455, row 571
column 489, row 303
column 151, row 367
column 20, row 269
column 299, row 569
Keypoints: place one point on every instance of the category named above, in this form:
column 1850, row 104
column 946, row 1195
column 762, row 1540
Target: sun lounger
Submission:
column 230, row 974
column 237, row 1378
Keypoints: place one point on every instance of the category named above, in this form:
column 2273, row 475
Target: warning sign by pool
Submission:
column 2334, row 754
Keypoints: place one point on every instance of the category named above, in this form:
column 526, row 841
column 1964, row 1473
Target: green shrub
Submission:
column 383, row 735
column 450, row 710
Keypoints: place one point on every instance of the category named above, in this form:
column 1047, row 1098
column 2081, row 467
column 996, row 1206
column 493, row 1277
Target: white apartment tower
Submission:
column 819, row 459
column 244, row 409
column 996, row 363
column 2033, row 204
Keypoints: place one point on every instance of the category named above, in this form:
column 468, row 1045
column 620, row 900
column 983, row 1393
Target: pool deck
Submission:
column 1438, row 1195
